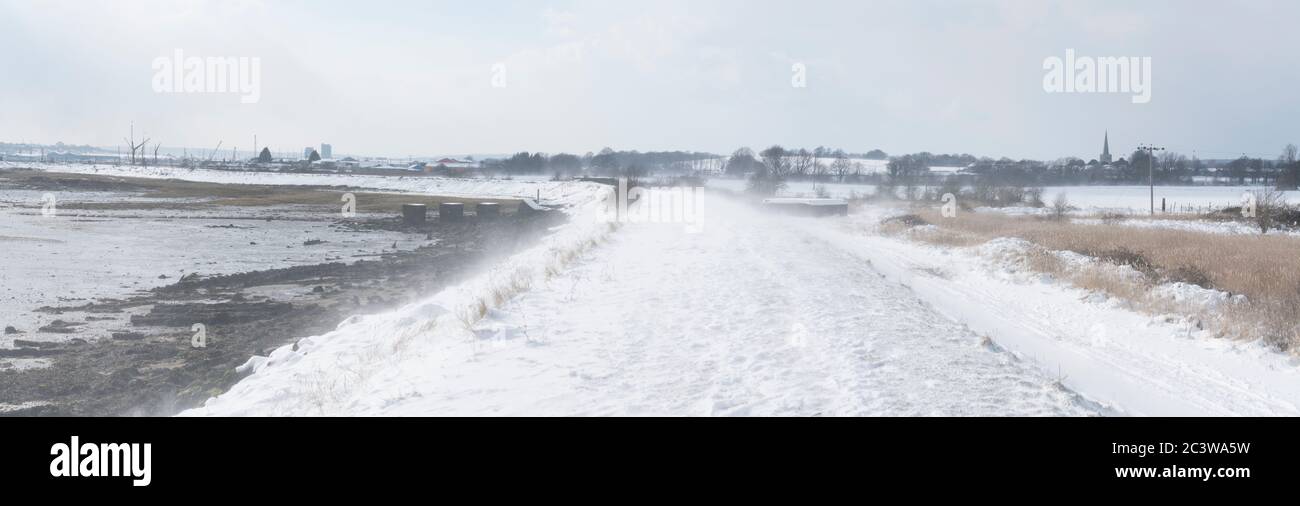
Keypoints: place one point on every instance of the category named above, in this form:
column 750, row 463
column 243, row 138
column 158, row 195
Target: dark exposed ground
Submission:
column 209, row 195
column 149, row 367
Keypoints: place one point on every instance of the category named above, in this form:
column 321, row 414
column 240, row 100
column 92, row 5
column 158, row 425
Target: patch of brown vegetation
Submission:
column 1265, row 268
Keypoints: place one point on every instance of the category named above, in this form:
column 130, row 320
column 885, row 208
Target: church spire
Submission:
column 1105, row 149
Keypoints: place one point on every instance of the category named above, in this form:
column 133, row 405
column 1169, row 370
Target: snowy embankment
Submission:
column 551, row 192
column 369, row 361
column 750, row 317
column 1135, row 363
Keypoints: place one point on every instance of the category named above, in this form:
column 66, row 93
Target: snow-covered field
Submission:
column 550, row 192
column 1138, row 198
column 1087, row 199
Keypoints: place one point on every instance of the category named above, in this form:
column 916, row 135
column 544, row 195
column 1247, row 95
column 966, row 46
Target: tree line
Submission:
column 607, row 162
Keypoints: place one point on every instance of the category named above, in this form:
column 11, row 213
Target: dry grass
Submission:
column 1266, row 269
column 504, row 286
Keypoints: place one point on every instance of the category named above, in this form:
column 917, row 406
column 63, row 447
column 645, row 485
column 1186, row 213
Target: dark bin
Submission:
column 487, row 210
column 451, row 211
column 414, row 214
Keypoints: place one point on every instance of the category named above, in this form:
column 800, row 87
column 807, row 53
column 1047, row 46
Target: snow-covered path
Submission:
column 750, row 317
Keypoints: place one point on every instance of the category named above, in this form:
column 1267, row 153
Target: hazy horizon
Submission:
column 409, row 78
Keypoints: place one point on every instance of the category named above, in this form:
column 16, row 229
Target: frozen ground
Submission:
column 78, row 256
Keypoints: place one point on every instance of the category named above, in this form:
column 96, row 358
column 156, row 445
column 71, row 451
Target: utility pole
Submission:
column 1151, row 171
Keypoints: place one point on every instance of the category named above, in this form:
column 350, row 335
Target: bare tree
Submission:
column 1257, row 173
column 775, row 160
column 902, row 169
column 1290, row 168
column 741, row 161
column 1171, row 165
column 1060, row 207
column 819, row 173
column 1270, row 207
column 803, row 163
column 841, row 166
column 769, row 176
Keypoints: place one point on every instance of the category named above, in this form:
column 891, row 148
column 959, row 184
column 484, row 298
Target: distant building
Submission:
column 1105, row 150
column 456, row 164
column 306, row 152
column 450, row 167
column 326, row 151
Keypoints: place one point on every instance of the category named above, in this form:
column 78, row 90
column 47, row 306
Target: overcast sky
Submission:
column 402, row 78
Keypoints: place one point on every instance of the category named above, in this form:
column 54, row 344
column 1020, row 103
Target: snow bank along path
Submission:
column 750, row 317
column 1131, row 362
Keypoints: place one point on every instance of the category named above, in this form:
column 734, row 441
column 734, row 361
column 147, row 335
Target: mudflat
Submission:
column 133, row 354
